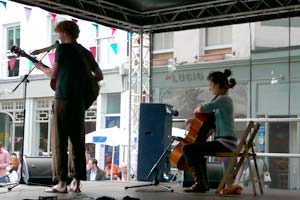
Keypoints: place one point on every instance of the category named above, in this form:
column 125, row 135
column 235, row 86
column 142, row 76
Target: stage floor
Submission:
column 116, row 190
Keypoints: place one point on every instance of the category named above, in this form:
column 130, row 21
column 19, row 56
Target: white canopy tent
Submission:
column 109, row 136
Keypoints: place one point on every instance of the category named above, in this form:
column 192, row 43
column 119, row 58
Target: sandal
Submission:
column 74, row 187
column 55, row 190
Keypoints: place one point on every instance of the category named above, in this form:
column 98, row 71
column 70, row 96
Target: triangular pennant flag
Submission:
column 53, row 17
column 96, row 26
column 4, row 4
column 27, row 13
column 113, row 30
column 93, row 51
column 114, row 46
column 128, row 36
column 31, row 63
column 12, row 63
column 51, row 57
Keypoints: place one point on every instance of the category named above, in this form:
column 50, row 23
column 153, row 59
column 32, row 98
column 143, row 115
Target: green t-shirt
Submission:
column 223, row 108
column 72, row 74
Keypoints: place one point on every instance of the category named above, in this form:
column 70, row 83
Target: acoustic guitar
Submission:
column 201, row 128
column 20, row 52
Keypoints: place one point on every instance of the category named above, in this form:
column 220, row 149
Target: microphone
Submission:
column 175, row 113
column 38, row 51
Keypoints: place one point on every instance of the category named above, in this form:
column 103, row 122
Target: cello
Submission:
column 202, row 126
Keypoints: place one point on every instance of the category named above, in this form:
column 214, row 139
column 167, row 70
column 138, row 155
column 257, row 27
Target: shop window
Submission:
column 42, row 130
column 279, row 138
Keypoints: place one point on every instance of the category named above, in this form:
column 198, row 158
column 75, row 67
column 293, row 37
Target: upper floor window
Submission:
column 163, row 42
column 53, row 34
column 218, row 37
column 113, row 103
column 12, row 39
column 13, row 36
column 106, row 54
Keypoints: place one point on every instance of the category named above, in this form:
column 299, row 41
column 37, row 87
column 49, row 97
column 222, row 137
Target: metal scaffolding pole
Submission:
column 139, row 84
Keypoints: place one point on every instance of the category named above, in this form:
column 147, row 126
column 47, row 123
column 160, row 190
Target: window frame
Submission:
column 7, row 51
column 164, row 50
column 111, row 56
column 214, row 47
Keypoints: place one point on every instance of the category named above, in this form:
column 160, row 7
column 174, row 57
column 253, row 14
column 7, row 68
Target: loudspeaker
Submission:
column 155, row 128
column 37, row 170
column 215, row 172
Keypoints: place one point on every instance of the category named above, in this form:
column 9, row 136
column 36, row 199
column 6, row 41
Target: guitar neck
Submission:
column 20, row 52
column 30, row 58
column 33, row 59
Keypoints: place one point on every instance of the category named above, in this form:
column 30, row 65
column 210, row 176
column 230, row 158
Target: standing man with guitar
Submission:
column 225, row 139
column 72, row 68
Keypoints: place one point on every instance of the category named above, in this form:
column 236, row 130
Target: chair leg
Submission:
column 251, row 174
column 226, row 175
column 258, row 176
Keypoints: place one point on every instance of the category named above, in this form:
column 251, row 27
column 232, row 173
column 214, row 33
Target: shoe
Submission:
column 55, row 190
column 231, row 189
column 197, row 189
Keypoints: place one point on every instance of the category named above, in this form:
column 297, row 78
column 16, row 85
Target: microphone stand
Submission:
column 155, row 169
column 25, row 81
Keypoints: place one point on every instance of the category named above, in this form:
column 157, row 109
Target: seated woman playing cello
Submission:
column 225, row 140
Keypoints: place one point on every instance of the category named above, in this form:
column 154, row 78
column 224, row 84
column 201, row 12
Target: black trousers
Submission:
column 68, row 140
column 194, row 153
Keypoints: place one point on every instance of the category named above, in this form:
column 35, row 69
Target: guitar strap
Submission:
column 84, row 59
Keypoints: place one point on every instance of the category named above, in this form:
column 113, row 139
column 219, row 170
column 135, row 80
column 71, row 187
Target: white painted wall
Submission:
column 241, row 41
column 276, row 33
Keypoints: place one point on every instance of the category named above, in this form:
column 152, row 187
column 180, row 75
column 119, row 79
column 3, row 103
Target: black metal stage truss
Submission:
column 165, row 15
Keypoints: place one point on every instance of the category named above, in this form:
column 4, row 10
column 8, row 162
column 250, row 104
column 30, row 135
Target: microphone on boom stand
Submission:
column 38, row 51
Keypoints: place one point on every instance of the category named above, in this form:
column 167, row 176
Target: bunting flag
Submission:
column 4, row 4
column 31, row 63
column 27, row 13
column 128, row 36
column 93, row 51
column 113, row 30
column 114, row 46
column 96, row 26
column 53, row 17
column 51, row 57
column 12, row 63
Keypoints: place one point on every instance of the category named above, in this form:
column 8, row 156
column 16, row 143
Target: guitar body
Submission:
column 201, row 128
column 53, row 84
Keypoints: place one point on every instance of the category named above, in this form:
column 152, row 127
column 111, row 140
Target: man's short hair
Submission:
column 69, row 27
column 94, row 161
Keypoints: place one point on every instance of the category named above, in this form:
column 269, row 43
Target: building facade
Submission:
column 265, row 65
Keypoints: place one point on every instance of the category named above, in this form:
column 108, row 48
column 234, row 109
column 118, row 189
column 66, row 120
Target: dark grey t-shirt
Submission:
column 72, row 74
